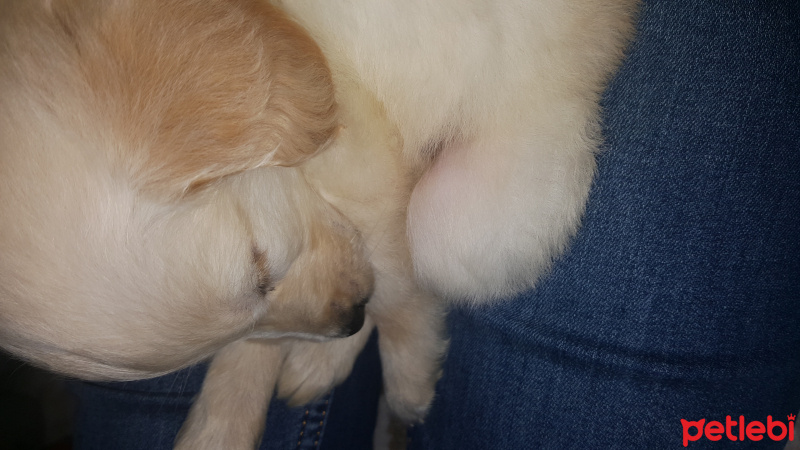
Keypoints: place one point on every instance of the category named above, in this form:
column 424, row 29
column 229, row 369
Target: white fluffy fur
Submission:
column 504, row 97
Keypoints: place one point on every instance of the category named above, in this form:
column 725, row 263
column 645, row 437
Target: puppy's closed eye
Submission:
column 264, row 284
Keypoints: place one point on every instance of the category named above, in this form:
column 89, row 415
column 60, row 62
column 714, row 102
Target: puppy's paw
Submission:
column 412, row 344
column 410, row 404
column 305, row 378
column 312, row 369
column 410, row 388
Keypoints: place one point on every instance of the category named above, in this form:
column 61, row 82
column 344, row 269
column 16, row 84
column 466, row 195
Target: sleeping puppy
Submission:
column 153, row 212
column 137, row 234
column 166, row 193
column 466, row 153
column 364, row 174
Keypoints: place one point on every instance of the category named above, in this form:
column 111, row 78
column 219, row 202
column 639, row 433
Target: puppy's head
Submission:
column 149, row 210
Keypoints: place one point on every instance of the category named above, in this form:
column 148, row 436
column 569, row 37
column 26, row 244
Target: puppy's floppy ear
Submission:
column 201, row 89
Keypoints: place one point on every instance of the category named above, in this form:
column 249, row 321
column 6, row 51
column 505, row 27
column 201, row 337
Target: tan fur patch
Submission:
column 203, row 89
column 322, row 288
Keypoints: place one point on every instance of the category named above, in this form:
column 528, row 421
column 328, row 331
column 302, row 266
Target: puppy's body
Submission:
column 470, row 133
column 145, row 223
column 505, row 98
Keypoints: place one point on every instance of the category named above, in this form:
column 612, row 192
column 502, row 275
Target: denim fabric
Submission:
column 146, row 415
column 680, row 296
column 678, row 299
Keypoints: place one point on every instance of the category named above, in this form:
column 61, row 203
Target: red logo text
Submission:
column 738, row 430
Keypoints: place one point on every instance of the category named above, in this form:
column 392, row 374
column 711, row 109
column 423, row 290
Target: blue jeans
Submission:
column 678, row 299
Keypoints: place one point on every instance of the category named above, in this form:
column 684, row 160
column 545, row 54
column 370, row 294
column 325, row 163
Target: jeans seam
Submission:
column 313, row 424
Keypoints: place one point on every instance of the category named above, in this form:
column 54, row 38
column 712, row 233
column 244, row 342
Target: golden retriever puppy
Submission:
column 365, row 175
column 467, row 152
column 176, row 182
column 146, row 225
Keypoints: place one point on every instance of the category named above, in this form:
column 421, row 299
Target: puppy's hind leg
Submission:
column 490, row 215
column 230, row 412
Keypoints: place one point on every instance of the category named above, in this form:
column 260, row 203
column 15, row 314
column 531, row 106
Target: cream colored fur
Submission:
column 503, row 131
column 409, row 320
column 119, row 260
column 505, row 97
column 173, row 184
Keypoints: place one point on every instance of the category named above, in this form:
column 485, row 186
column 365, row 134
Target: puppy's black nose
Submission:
column 356, row 320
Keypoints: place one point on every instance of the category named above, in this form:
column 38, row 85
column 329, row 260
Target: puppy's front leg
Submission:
column 230, row 412
column 412, row 343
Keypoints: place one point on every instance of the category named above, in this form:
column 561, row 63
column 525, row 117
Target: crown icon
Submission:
column 791, row 417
